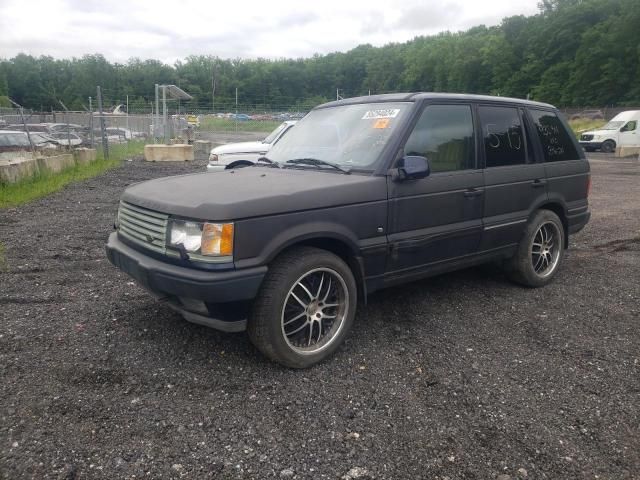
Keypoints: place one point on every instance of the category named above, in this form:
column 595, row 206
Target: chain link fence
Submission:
column 185, row 125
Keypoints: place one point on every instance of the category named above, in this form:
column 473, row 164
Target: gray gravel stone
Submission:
column 490, row 374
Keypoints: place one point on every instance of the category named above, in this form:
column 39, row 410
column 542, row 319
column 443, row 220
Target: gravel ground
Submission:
column 460, row 376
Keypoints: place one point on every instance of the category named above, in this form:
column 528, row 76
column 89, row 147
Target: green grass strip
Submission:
column 45, row 183
column 209, row 124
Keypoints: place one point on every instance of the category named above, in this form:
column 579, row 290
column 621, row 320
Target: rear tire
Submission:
column 608, row 146
column 540, row 252
column 305, row 307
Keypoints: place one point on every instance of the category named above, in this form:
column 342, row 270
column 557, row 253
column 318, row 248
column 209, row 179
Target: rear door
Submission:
column 567, row 170
column 439, row 217
column 514, row 176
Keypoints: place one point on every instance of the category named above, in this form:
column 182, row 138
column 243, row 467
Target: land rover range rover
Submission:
column 362, row 194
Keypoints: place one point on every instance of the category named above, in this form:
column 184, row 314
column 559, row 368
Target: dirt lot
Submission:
column 461, row 376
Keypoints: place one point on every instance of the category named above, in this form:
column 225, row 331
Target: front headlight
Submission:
column 596, row 137
column 201, row 238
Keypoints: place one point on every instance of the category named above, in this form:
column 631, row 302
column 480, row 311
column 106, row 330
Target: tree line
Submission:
column 572, row 53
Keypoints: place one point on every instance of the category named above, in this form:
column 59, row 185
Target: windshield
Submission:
column 351, row 136
column 612, row 126
column 273, row 135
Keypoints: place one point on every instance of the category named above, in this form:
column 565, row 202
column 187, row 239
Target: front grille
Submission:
column 586, row 138
column 143, row 226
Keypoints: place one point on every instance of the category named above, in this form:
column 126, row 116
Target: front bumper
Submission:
column 215, row 167
column 590, row 145
column 194, row 293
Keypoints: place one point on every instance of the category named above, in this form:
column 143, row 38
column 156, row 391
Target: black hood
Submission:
column 253, row 191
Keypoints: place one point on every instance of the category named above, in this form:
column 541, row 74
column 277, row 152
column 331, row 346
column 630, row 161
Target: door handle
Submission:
column 473, row 193
column 538, row 182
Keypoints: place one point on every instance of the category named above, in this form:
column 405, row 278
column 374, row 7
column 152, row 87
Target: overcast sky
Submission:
column 120, row 29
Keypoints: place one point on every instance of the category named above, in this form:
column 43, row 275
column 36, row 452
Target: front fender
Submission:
column 300, row 233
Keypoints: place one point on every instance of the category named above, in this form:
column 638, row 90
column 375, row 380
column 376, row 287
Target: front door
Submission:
column 629, row 134
column 439, row 217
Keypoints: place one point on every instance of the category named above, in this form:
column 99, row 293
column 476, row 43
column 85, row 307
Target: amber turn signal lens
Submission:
column 217, row 239
column 226, row 241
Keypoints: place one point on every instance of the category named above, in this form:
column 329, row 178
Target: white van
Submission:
column 622, row 131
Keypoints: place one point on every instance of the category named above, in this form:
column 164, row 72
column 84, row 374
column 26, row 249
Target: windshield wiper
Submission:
column 269, row 162
column 318, row 163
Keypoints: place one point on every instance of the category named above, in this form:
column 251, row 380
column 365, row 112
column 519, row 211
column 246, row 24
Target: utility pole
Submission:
column 127, row 114
column 93, row 140
column 164, row 115
column 236, row 109
column 105, row 142
column 213, row 88
column 156, row 119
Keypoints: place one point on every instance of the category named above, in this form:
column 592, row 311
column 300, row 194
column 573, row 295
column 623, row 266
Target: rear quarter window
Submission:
column 556, row 141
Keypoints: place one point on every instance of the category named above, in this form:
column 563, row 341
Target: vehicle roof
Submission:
column 627, row 115
column 417, row 96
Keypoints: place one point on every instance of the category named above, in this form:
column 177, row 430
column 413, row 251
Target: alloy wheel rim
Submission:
column 545, row 249
column 314, row 311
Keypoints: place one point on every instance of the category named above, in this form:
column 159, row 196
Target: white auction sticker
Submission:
column 375, row 114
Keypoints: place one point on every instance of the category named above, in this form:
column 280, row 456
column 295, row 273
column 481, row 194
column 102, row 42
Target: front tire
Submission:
column 540, row 252
column 305, row 307
column 608, row 146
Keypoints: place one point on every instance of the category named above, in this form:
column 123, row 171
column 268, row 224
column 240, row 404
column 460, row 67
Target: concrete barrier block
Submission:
column 57, row 163
column 628, row 151
column 84, row 156
column 168, row 153
column 15, row 156
column 201, row 149
column 18, row 170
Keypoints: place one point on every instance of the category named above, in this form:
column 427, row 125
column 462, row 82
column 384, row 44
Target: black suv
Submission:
column 362, row 194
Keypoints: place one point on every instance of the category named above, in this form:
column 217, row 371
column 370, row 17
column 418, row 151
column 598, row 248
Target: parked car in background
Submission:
column 193, row 120
column 42, row 141
column 243, row 154
column 13, row 140
column 112, row 138
column 63, row 127
column 122, row 133
column 241, row 117
column 589, row 115
column 362, row 194
column 623, row 129
column 32, row 127
column 68, row 139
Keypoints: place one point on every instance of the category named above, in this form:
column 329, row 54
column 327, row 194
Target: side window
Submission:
column 504, row 141
column 444, row 134
column 557, row 143
column 630, row 126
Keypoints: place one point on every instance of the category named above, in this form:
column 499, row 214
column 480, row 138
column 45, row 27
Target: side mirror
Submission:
column 413, row 167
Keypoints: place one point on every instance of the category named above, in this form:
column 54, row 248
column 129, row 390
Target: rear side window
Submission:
column 444, row 134
column 556, row 141
column 503, row 136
